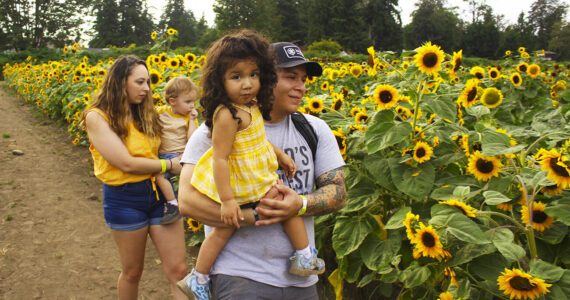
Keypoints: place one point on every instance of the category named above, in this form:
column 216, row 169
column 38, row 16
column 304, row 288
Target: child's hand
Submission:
column 288, row 165
column 193, row 114
column 230, row 213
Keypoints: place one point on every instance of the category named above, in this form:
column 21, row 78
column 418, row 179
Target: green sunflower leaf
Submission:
column 380, row 170
column 470, row 252
column 349, row 233
column 494, row 198
column 376, row 253
column 443, row 107
column 414, row 275
column 561, row 289
column 384, row 132
column 414, row 181
column 545, row 271
column 466, row 230
column 396, row 221
column 560, row 212
column 555, row 234
column 512, row 252
column 478, row 111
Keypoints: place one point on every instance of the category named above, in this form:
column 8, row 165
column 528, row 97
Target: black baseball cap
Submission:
column 288, row 55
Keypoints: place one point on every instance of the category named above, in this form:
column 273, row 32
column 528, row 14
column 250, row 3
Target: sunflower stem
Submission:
column 531, row 243
column 422, row 85
column 494, row 213
column 540, row 140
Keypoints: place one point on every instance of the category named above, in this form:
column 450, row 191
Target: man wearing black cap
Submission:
column 254, row 264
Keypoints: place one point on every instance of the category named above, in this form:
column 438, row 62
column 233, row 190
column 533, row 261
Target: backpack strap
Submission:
column 306, row 130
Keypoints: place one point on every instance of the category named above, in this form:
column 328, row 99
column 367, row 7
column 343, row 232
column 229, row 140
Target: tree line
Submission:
column 354, row 24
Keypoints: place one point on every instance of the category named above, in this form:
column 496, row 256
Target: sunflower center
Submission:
column 472, row 94
column 385, row 96
column 428, row 240
column 430, row 60
column 484, row 166
column 479, row 75
column 491, row 98
column 153, row 78
column 339, row 141
column 522, row 68
column 493, row 74
column 538, row 216
column 337, row 105
column 533, row 71
column 316, row 105
column 521, row 284
column 516, row 79
column 363, row 118
column 421, row 152
column 560, row 171
column 457, row 65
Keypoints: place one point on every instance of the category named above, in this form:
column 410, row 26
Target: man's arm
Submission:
column 329, row 196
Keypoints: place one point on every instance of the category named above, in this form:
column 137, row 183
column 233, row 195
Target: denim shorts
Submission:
column 132, row 206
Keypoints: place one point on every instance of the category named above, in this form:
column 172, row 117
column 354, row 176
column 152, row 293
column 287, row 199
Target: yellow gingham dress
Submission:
column 252, row 163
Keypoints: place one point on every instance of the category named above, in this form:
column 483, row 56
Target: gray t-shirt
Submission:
column 261, row 253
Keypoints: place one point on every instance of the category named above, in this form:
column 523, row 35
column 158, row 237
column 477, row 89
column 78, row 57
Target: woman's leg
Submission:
column 131, row 246
column 169, row 243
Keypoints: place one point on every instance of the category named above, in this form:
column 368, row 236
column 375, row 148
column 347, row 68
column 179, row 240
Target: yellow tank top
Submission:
column 138, row 144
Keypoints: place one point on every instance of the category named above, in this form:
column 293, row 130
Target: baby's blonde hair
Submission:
column 177, row 86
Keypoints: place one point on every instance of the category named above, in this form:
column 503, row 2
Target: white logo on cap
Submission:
column 293, row 52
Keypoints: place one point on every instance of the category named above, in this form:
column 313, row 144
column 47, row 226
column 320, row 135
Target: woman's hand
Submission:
column 231, row 213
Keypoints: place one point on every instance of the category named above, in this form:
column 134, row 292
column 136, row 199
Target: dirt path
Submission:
column 54, row 243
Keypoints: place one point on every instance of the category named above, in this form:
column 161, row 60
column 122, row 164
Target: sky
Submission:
column 510, row 9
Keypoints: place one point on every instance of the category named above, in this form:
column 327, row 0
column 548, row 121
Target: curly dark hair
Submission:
column 225, row 53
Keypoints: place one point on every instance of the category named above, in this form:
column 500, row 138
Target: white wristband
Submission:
column 304, row 208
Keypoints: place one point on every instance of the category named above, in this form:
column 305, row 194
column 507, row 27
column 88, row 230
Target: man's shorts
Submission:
column 132, row 206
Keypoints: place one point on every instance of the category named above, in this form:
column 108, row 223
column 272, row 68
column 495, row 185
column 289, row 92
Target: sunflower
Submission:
column 429, row 58
column 172, row 31
column 465, row 208
column 361, row 117
column 422, row 152
column 492, row 97
column 451, row 273
column 525, row 55
column 494, row 73
column 340, row 140
column 456, row 61
column 356, row 70
column 478, row 72
column 190, row 57
column 385, row 96
column 522, row 67
column 325, row 86
column 315, row 105
column 153, row 35
column 445, row 296
column 155, row 77
column 516, row 79
column 508, row 52
column 410, row 217
column 65, row 49
column 518, row 284
column 540, row 220
column 173, row 63
column 337, row 104
column 483, row 167
column 555, row 163
column 468, row 96
column 533, row 70
column 552, row 190
column 403, row 112
column 522, row 49
column 355, row 110
column 194, row 225
column 427, row 243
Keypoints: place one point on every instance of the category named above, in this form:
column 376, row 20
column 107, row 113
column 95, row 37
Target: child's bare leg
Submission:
column 165, row 187
column 211, row 247
column 297, row 233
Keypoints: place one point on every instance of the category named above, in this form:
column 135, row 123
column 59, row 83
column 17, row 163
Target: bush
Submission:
column 329, row 46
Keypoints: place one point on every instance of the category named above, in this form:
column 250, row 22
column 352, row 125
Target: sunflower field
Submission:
column 458, row 177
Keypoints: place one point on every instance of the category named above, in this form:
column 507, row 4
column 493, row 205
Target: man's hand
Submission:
column 273, row 209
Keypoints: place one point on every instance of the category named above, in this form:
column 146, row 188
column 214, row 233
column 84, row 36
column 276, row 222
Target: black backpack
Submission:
column 306, row 130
